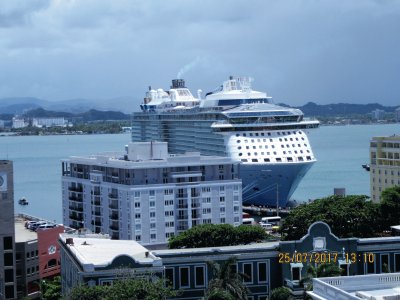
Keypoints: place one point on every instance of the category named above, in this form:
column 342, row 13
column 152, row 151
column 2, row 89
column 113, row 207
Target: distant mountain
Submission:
column 23, row 104
column 90, row 115
column 342, row 109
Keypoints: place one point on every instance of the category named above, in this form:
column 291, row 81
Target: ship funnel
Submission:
column 178, row 84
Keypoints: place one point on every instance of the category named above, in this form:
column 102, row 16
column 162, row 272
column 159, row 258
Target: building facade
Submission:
column 48, row 122
column 96, row 260
column 384, row 164
column 147, row 195
column 266, row 265
column 7, row 232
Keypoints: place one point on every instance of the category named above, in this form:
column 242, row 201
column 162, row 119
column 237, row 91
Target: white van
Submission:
column 266, row 226
column 248, row 221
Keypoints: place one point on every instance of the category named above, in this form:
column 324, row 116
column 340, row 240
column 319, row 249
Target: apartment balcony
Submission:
column 96, row 223
column 113, row 196
column 75, row 189
column 182, row 217
column 113, row 206
column 181, row 206
column 76, row 208
column 96, row 203
column 114, row 227
column 96, row 193
column 75, row 199
column 114, row 216
column 97, row 213
column 76, row 217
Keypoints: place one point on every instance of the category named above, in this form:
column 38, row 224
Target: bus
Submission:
column 276, row 220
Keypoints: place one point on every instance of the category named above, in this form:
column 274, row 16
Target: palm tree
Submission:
column 226, row 283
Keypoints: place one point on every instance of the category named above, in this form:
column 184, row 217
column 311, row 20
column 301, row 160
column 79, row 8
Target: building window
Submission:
column 184, row 277
column 385, row 266
column 152, row 225
column 370, row 268
column 262, row 272
column 222, row 220
column 199, row 276
column 138, row 226
column 152, row 203
column 248, row 273
column 152, row 192
column 222, row 209
column 138, row 238
column 221, row 199
column 8, row 243
column 153, row 236
column 152, row 214
column 137, row 204
column 169, row 276
column 137, row 216
column 397, row 262
column 137, row 194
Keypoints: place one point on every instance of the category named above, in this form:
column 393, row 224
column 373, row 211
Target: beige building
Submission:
column 384, row 164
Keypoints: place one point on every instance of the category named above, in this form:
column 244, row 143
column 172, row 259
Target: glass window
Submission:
column 247, row 271
column 184, row 277
column 262, row 272
column 397, row 262
column 169, row 276
column 199, row 273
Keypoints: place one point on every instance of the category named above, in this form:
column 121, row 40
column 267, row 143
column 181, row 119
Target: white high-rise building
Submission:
column 384, row 164
column 147, row 195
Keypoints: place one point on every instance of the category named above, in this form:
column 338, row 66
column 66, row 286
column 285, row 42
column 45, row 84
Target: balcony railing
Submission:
column 75, row 189
column 114, row 216
column 76, row 217
column 114, row 227
column 75, row 208
column 113, row 196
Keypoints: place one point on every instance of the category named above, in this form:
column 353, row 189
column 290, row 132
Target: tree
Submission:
column 281, row 293
column 124, row 289
column 390, row 207
column 51, row 289
column 226, row 283
column 323, row 270
column 211, row 235
column 347, row 216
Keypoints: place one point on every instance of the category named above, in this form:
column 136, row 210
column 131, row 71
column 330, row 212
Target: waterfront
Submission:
column 340, row 150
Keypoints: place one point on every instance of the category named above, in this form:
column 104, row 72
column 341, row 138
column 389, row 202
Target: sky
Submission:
column 296, row 50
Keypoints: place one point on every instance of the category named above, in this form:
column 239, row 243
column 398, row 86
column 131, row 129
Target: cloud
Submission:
column 323, row 51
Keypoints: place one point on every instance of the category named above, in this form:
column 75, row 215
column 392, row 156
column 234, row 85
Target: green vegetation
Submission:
column 350, row 216
column 122, row 289
column 210, row 235
column 322, row 270
column 51, row 289
column 226, row 283
column 281, row 293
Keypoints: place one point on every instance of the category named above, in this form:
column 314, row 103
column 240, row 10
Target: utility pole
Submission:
column 277, row 200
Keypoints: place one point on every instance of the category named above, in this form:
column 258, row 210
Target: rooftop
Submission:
column 23, row 234
column 97, row 251
column 372, row 287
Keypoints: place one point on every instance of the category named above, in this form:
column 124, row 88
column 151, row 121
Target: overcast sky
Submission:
column 296, row 50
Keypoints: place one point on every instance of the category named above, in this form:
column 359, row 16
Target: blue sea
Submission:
column 340, row 150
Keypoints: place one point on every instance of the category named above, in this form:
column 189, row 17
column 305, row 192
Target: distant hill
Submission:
column 342, row 109
column 20, row 105
column 90, row 115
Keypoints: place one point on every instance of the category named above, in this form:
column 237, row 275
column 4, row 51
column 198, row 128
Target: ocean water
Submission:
column 340, row 150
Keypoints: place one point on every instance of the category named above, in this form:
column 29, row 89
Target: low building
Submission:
column 37, row 256
column 384, row 164
column 266, row 265
column 94, row 259
column 378, row 114
column 371, row 287
column 18, row 123
column 147, row 195
column 48, row 122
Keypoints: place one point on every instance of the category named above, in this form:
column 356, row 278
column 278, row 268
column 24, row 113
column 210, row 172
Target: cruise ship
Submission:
column 235, row 121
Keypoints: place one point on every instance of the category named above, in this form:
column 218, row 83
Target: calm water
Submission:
column 340, row 151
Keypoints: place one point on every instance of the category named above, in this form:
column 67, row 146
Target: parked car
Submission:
column 45, row 226
column 35, row 225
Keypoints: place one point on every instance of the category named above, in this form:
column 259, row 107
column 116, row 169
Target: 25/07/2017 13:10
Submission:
column 325, row 257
